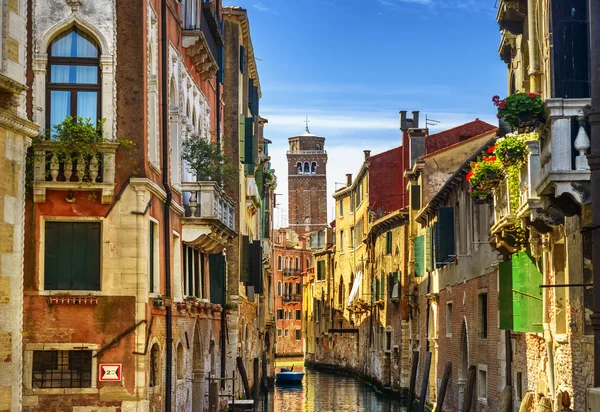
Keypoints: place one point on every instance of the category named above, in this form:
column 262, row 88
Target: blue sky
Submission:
column 351, row 65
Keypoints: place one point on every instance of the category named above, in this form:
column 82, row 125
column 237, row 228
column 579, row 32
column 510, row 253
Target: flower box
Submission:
column 73, row 300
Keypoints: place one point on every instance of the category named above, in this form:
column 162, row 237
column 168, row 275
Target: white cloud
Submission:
column 260, row 6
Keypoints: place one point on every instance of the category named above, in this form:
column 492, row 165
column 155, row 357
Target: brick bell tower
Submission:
column 307, row 182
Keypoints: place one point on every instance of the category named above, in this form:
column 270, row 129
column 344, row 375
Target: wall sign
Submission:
column 110, row 372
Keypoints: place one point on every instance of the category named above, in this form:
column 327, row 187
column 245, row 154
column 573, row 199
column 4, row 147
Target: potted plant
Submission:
column 159, row 300
column 207, row 162
column 520, row 110
column 485, row 173
column 511, row 149
column 480, row 196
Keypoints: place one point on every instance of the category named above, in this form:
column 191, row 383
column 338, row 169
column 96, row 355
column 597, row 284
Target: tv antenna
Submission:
column 431, row 122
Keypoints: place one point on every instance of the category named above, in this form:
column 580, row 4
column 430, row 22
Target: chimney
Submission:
column 367, row 154
column 403, row 124
column 348, row 179
column 415, row 119
column 416, row 143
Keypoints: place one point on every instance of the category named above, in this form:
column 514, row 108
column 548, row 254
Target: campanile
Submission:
column 307, row 182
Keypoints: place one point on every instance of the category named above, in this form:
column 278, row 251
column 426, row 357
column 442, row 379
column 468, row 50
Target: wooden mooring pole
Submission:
column 470, row 388
column 425, row 382
column 413, row 380
column 242, row 369
column 440, row 399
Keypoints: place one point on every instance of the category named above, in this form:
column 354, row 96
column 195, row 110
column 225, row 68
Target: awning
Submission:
column 355, row 286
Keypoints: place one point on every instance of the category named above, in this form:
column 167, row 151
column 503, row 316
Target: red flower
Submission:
column 489, row 158
column 502, row 104
column 469, row 191
column 532, row 95
column 495, row 98
column 491, row 149
column 539, row 92
column 469, row 175
column 498, row 116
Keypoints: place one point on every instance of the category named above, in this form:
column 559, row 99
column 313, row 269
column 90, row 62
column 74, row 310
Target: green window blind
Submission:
column 242, row 134
column 245, row 260
column 444, row 238
column 388, row 243
column 382, row 294
column 520, row 295
column 419, row 256
column 321, row 270
column 428, row 249
column 72, row 256
column 249, row 141
column 216, row 264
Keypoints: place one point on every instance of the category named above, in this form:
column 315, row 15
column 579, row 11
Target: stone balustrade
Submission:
column 564, row 143
column 52, row 171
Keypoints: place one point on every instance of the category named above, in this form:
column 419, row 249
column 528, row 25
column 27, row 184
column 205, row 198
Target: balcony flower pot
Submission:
column 158, row 301
column 521, row 110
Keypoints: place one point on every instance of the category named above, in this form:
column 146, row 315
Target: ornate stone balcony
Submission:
column 292, row 298
column 199, row 50
column 292, row 272
column 78, row 173
column 564, row 144
column 511, row 15
column 209, row 221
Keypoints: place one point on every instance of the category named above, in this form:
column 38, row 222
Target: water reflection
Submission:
column 324, row 392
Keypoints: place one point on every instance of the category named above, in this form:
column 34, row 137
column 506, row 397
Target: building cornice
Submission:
column 143, row 183
column 16, row 123
column 361, row 173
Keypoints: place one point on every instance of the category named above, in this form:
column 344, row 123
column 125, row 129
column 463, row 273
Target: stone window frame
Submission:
column 107, row 72
column 156, row 389
column 28, row 368
column 449, row 321
column 483, row 368
column 42, row 252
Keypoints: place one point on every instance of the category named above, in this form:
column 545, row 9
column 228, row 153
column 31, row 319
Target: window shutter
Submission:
column 216, row 264
column 249, row 141
column 242, row 134
column 428, row 249
column 436, row 248
column 446, row 227
column 419, row 256
column 373, row 290
column 415, row 197
column 245, row 260
column 382, row 291
column 256, row 266
column 571, row 48
column 527, row 294
column 52, row 250
column 242, row 59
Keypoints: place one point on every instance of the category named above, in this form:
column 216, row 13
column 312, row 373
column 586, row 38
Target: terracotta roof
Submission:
column 489, row 133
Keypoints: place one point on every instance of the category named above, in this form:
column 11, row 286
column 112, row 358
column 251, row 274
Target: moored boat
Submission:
column 288, row 376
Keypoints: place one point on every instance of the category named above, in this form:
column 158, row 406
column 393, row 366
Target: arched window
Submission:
column 154, row 366
column 306, row 168
column 313, row 168
column 73, row 78
column 279, row 288
column 299, row 166
column 179, row 361
column 279, row 262
column 297, row 263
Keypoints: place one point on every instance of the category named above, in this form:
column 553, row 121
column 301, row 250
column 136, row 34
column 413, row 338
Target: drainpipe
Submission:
column 594, row 162
column 533, row 56
column 167, row 206
column 547, row 332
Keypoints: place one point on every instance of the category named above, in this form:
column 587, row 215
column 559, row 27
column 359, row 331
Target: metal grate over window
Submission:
column 62, row 369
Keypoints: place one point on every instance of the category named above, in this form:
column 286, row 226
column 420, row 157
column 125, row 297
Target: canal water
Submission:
column 326, row 392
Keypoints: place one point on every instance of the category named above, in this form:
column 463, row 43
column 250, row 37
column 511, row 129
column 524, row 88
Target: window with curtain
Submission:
column 73, row 78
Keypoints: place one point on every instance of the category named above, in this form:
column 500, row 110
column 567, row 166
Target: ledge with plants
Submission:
column 522, row 111
column 485, row 175
column 74, row 156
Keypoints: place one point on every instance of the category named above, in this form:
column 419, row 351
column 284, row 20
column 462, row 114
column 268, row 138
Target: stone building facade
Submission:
column 141, row 241
column 16, row 131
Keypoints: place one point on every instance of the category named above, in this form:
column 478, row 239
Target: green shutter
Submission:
column 216, row 264
column 382, row 294
column 446, row 232
column 415, row 197
column 428, row 249
column 436, row 247
column 242, row 134
column 373, row 290
column 388, row 243
column 527, row 294
column 342, row 207
column 72, row 256
column 505, row 296
column 249, row 141
column 256, row 266
column 419, row 256
column 245, row 259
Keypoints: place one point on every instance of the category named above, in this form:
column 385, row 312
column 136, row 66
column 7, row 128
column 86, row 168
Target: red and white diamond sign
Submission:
column 110, row 372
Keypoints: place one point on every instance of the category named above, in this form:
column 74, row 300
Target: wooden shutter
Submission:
column 415, row 197
column 436, row 247
column 216, row 263
column 242, row 134
column 256, row 266
column 527, row 294
column 445, row 239
column 242, row 59
column 249, row 141
column 72, row 256
column 245, row 260
column 382, row 291
column 419, row 256
column 571, row 47
column 428, row 249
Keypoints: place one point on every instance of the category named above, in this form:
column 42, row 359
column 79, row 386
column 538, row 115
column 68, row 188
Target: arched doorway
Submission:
column 198, row 380
column 463, row 366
